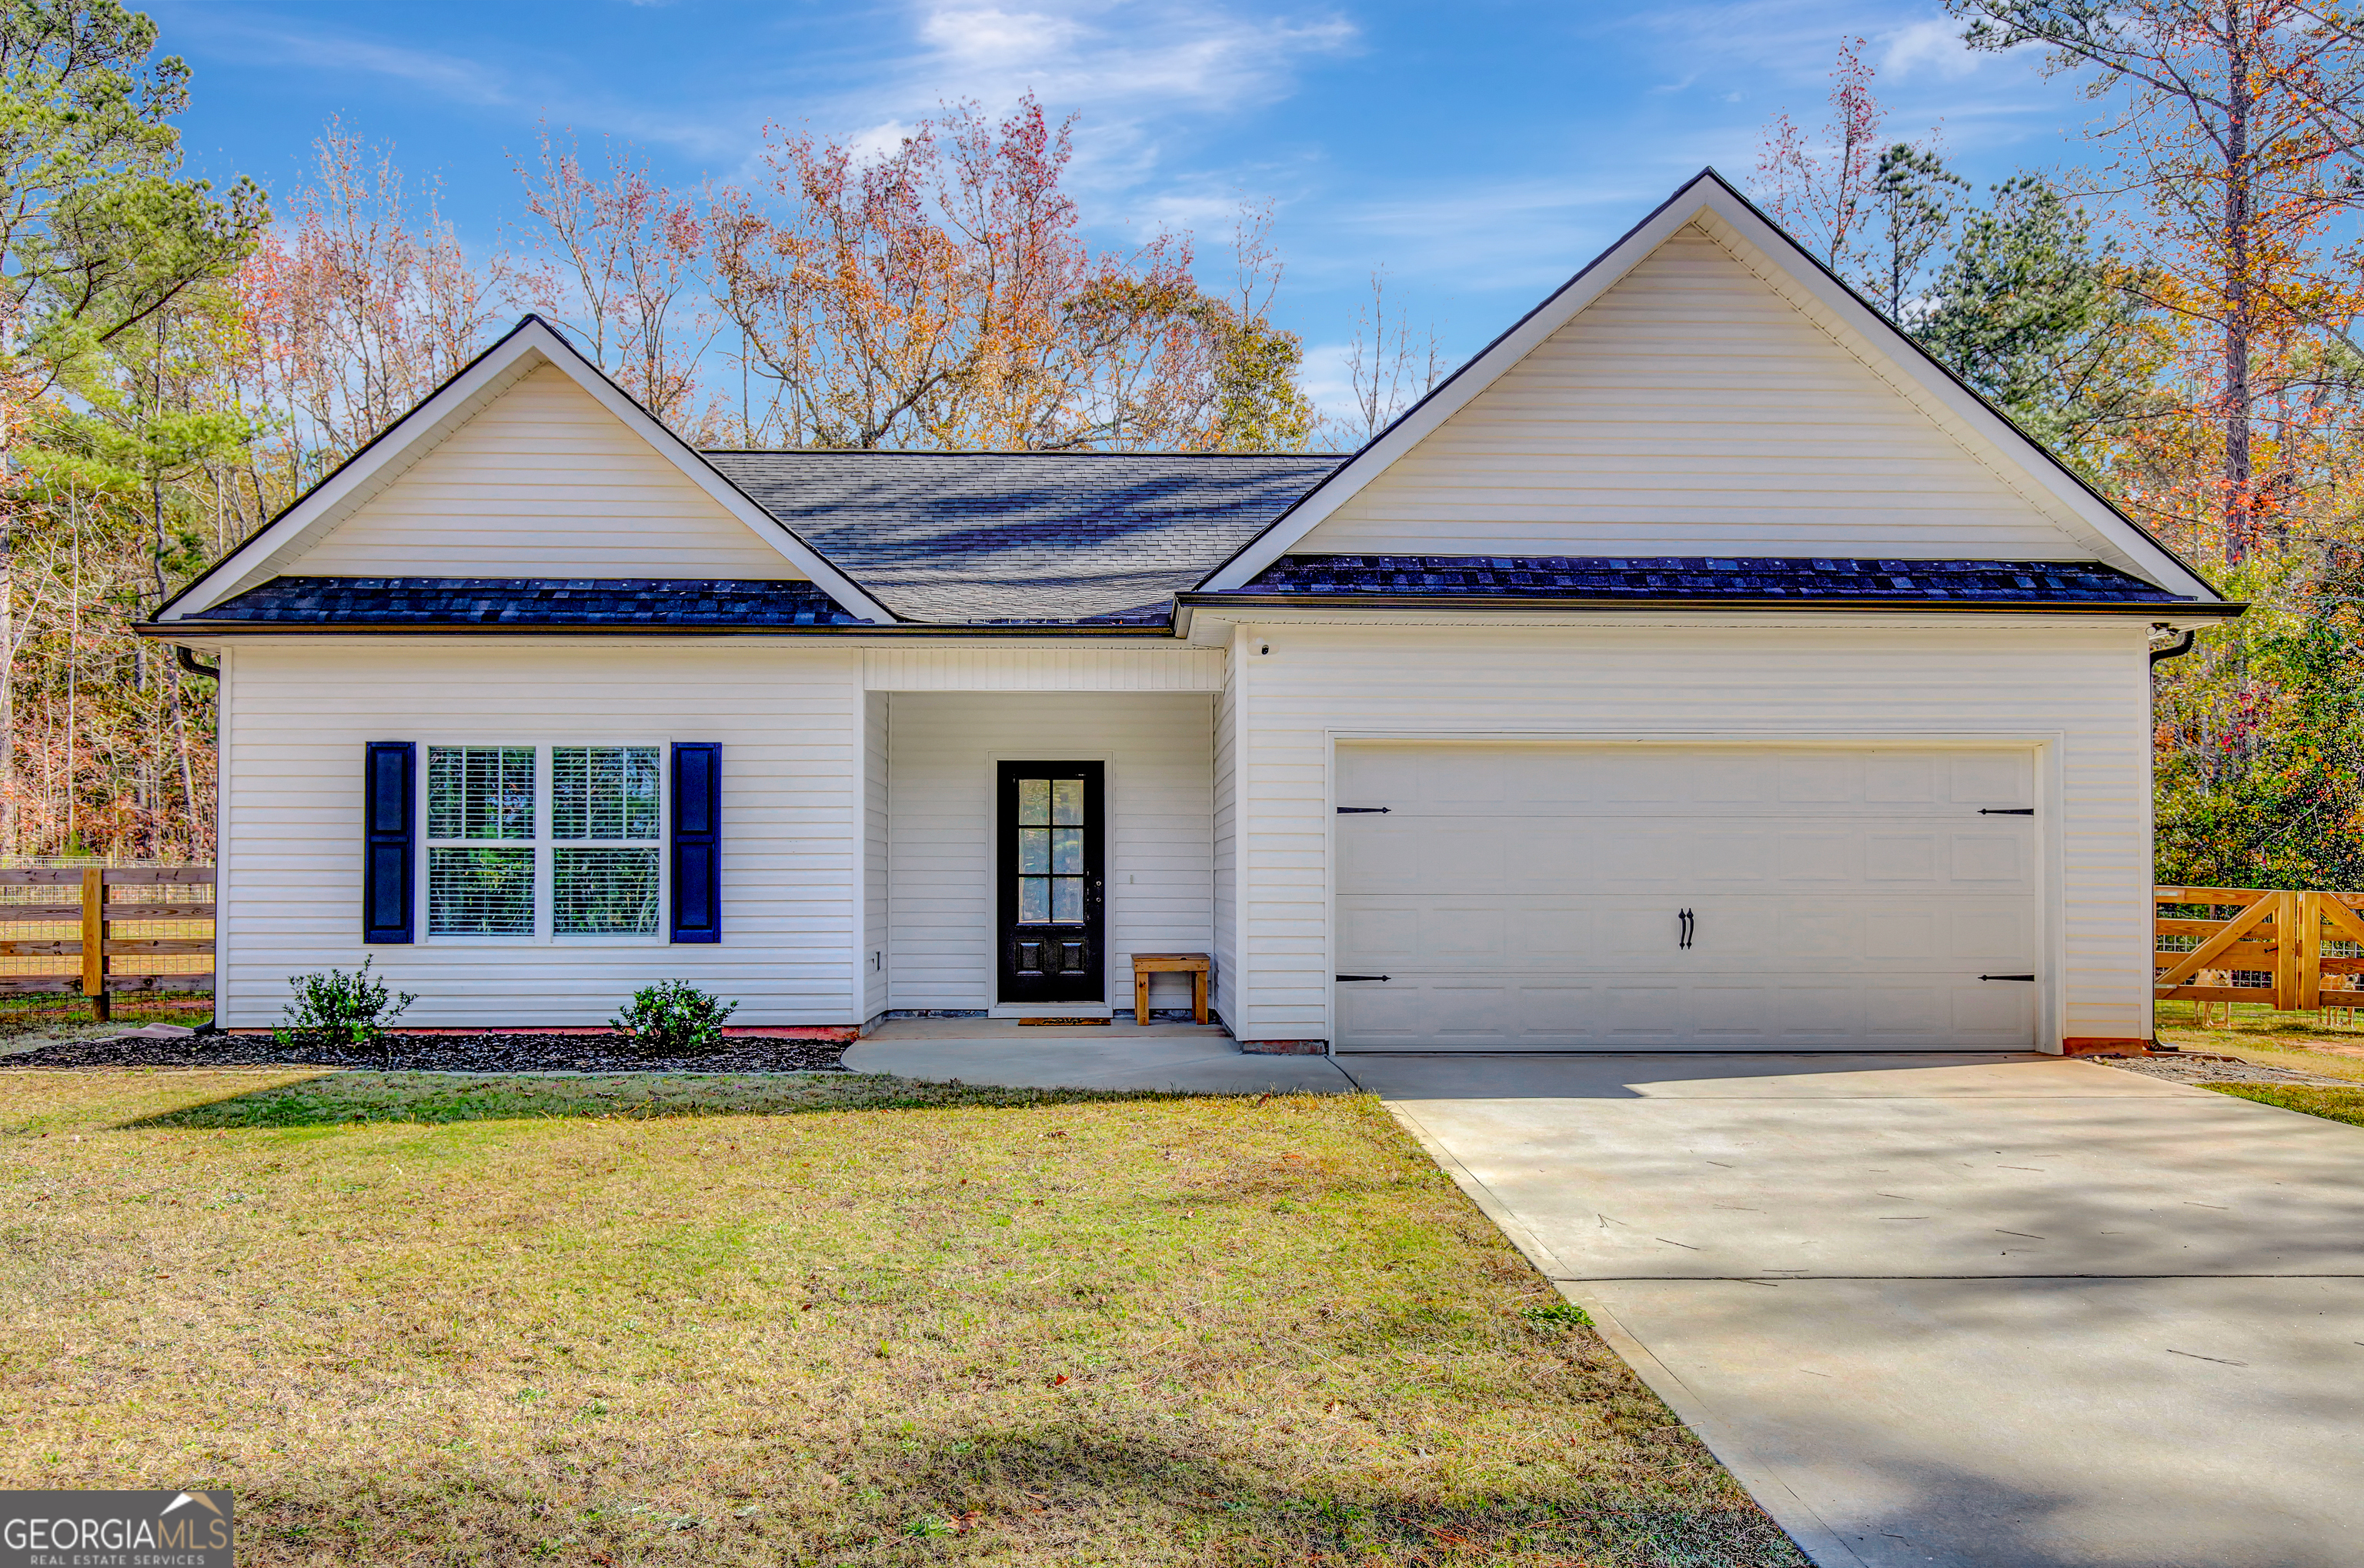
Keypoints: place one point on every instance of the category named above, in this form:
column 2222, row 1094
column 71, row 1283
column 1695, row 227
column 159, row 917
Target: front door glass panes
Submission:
column 1049, row 852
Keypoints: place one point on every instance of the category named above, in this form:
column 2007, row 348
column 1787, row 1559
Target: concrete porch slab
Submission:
column 1183, row 1057
column 901, row 1030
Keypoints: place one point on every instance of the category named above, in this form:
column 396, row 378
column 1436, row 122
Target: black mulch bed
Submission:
column 441, row 1053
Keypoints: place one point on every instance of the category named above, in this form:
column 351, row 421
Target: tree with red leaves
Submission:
column 1824, row 193
column 620, row 261
column 940, row 295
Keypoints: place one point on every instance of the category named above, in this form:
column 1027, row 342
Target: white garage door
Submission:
column 1533, row 897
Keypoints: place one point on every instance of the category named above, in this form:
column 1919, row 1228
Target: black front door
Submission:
column 1048, row 817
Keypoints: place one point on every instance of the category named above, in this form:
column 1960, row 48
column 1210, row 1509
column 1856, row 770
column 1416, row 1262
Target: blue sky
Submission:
column 1479, row 152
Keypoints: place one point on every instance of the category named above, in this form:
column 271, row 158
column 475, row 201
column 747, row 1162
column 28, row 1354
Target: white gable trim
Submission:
column 1756, row 243
column 529, row 346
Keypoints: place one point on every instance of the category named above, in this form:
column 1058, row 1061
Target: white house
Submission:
column 1701, row 666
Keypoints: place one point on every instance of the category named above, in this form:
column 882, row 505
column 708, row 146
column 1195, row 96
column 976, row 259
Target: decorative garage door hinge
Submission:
column 1342, row 977
column 2006, row 811
column 2029, row 978
column 1361, row 810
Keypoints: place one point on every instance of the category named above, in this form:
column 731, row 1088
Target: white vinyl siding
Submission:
column 877, row 838
column 542, row 481
column 1157, row 748
column 2076, row 690
column 1225, row 949
column 1692, row 410
column 999, row 667
column 791, row 724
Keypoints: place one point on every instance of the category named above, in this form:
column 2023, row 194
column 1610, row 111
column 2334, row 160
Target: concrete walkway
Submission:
column 1200, row 1057
column 2013, row 1312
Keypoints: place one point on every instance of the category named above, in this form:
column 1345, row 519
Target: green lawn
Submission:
column 2336, row 1103
column 708, row 1320
column 45, row 1012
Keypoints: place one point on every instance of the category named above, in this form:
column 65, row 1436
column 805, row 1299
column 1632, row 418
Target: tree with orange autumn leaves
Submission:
column 2229, row 128
column 941, row 296
column 937, row 295
column 2196, row 355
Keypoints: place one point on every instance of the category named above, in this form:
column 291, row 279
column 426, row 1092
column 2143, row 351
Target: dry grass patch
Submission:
column 2296, row 1041
column 1099, row 1331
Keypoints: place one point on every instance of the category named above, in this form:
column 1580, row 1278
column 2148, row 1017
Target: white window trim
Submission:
column 543, row 843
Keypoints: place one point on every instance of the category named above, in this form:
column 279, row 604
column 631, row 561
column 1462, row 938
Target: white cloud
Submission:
column 448, row 75
column 1132, row 58
column 1934, row 44
column 1523, row 236
column 878, row 141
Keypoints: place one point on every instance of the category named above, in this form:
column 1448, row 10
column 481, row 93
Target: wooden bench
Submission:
column 1194, row 964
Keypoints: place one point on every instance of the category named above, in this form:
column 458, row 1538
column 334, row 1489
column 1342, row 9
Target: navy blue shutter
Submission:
column 697, row 841
column 389, row 820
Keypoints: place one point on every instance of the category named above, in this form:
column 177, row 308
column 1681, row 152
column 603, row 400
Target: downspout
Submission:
column 189, row 661
column 2158, row 656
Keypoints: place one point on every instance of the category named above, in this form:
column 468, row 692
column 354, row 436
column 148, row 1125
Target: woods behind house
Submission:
column 2178, row 321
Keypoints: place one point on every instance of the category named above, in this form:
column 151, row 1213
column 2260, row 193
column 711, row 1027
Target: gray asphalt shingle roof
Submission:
column 1000, row 537
column 534, row 601
column 1819, row 579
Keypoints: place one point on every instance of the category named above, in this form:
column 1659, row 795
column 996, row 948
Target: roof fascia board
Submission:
column 1708, row 192
column 531, row 343
column 1454, row 393
column 1200, row 612
column 1482, row 608
column 198, row 631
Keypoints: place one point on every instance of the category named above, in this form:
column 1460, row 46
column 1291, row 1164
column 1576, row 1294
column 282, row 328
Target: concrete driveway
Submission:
column 1943, row 1310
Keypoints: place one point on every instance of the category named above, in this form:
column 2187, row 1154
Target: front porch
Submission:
column 977, row 909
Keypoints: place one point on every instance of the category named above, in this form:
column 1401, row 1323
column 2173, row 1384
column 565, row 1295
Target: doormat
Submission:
column 1064, row 1023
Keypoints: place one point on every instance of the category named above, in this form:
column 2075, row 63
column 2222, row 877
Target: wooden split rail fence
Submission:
column 2305, row 949
column 158, row 919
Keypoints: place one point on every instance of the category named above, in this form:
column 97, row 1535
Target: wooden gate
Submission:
column 119, row 929
column 2277, row 936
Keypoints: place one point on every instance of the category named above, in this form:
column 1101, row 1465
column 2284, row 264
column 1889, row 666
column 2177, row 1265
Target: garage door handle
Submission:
column 2029, row 978
column 1687, row 923
column 1344, row 977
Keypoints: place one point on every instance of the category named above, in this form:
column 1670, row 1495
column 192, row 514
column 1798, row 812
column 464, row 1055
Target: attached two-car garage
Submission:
column 1540, row 897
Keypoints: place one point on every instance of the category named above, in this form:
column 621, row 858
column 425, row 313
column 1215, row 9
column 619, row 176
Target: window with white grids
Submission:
column 604, row 871
column 526, row 841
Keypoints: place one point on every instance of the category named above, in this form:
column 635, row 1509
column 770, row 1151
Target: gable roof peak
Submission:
column 1737, row 224
column 533, row 342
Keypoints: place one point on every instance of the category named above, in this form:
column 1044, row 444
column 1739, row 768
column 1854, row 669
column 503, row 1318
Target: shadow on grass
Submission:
column 1049, row 1481
column 344, row 1098
column 1057, row 1491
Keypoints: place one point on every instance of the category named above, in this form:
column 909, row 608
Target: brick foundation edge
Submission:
column 1284, row 1046
column 2086, row 1044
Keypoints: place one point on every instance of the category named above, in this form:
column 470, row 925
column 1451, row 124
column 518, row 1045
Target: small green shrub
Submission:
column 673, row 1017
column 1560, row 1315
column 336, row 1011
